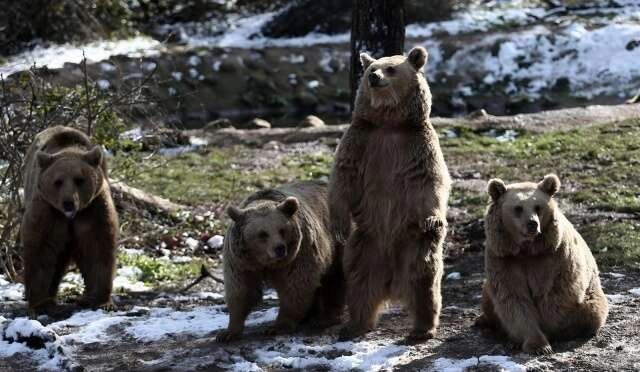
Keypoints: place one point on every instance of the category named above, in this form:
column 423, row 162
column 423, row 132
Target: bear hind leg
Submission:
column 367, row 284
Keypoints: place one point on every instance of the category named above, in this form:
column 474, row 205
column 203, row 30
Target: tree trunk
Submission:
column 377, row 27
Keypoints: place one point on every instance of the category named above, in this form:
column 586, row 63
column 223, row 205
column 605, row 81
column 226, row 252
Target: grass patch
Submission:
column 614, row 242
column 156, row 271
column 596, row 164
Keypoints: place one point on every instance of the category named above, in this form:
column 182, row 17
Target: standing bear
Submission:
column 69, row 217
column 541, row 280
column 280, row 237
column 388, row 197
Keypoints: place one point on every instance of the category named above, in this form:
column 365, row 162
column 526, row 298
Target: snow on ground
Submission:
column 10, row 291
column 503, row 363
column 55, row 56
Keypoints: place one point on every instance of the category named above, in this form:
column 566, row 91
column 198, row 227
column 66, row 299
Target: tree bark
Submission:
column 377, row 27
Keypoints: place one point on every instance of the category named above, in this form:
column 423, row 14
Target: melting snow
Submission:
column 635, row 291
column 10, row 291
column 504, row 363
column 55, row 56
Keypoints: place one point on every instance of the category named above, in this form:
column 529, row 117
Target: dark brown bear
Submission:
column 280, row 237
column 69, row 217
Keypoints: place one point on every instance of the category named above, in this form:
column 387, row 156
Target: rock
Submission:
column 632, row 44
column 478, row 114
column 258, row 123
column 312, row 121
column 218, row 124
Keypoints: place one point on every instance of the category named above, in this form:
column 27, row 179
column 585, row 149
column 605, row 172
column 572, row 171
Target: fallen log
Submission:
column 130, row 198
column 545, row 121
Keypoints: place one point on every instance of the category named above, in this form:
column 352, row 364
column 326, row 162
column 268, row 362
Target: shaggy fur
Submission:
column 69, row 217
column 388, row 197
column 541, row 280
column 280, row 237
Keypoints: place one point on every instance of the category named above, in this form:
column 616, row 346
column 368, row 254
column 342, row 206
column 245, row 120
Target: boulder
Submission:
column 258, row 123
column 312, row 121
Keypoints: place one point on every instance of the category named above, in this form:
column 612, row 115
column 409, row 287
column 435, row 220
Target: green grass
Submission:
column 157, row 271
column 596, row 164
column 615, row 243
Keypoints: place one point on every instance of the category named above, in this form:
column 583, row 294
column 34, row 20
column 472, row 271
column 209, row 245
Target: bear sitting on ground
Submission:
column 388, row 197
column 69, row 217
column 280, row 237
column 541, row 280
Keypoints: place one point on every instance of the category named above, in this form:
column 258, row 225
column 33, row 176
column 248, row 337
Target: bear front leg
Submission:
column 367, row 276
column 515, row 308
column 296, row 299
column 43, row 241
column 243, row 292
column 95, row 255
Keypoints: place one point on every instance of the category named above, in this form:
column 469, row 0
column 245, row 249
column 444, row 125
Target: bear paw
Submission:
column 537, row 347
column 280, row 328
column 421, row 335
column 434, row 226
column 227, row 335
column 350, row 332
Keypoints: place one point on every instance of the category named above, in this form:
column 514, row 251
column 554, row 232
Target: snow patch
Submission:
column 10, row 291
column 503, row 363
column 55, row 56
column 454, row 276
column 216, row 241
column 635, row 291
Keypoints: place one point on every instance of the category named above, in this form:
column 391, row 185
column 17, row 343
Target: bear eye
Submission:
column 537, row 208
column 78, row 181
column 263, row 235
column 390, row 70
column 518, row 209
column 282, row 232
column 57, row 183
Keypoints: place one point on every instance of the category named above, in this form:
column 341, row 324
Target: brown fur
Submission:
column 388, row 197
column 63, row 166
column 308, row 277
column 541, row 283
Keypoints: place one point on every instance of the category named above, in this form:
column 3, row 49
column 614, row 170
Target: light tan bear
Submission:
column 388, row 197
column 280, row 238
column 541, row 280
column 69, row 217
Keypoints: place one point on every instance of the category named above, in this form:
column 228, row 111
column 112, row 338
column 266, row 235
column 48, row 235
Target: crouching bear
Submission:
column 280, row 238
column 541, row 280
column 69, row 217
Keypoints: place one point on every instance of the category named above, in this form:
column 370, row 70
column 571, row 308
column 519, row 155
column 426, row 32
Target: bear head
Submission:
column 392, row 81
column 69, row 181
column 269, row 233
column 526, row 210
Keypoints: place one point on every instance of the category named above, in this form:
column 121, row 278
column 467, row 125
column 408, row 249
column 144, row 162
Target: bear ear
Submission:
column 93, row 156
column 289, row 206
column 44, row 159
column 496, row 188
column 235, row 213
column 418, row 57
column 550, row 184
column 366, row 60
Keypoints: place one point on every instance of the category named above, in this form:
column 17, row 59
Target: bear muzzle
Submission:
column 69, row 209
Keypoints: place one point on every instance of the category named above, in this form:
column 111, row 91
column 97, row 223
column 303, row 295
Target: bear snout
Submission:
column 280, row 251
column 533, row 227
column 69, row 208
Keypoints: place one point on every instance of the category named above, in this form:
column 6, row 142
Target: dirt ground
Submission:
column 617, row 348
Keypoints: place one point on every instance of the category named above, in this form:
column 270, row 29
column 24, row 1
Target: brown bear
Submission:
column 69, row 217
column 541, row 280
column 388, row 197
column 280, row 237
